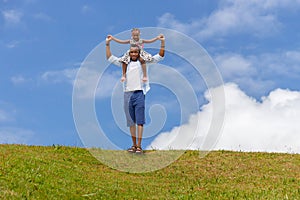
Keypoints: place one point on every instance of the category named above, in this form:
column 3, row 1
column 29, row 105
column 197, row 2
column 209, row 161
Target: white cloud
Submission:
column 283, row 64
column 19, row 79
column 168, row 20
column 241, row 17
column 7, row 112
column 88, row 78
column 43, row 17
column 256, row 17
column 12, row 44
column 4, row 116
column 235, row 65
column 11, row 135
column 259, row 73
column 53, row 77
column 85, row 82
column 12, row 17
column 58, row 76
column 86, row 9
column 270, row 125
column 245, row 71
column 107, row 83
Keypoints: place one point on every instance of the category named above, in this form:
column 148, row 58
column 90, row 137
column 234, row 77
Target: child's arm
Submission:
column 119, row 41
column 152, row 40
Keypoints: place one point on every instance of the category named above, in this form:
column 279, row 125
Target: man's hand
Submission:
column 161, row 37
column 108, row 38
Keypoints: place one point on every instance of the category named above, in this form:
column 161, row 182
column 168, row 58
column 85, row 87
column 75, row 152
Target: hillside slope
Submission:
column 32, row 172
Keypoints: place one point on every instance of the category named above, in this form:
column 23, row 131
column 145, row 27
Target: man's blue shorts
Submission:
column 134, row 107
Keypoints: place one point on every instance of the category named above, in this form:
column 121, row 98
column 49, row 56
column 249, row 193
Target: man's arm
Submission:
column 107, row 43
column 162, row 45
column 160, row 56
column 111, row 58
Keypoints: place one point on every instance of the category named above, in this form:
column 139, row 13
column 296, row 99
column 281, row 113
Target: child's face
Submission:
column 135, row 35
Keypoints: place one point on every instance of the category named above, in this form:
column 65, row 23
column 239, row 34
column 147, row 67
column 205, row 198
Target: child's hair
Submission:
column 135, row 29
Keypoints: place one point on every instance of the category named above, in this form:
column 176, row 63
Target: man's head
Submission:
column 134, row 52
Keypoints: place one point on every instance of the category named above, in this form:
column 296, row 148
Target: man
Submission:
column 135, row 91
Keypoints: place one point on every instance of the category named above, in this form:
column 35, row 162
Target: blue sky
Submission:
column 255, row 45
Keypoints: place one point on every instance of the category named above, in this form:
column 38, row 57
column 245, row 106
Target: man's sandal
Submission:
column 139, row 150
column 132, row 149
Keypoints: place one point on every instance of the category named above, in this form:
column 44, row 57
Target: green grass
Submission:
column 31, row 172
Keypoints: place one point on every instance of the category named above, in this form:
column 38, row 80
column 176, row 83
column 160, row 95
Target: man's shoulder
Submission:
column 115, row 60
column 157, row 58
column 112, row 58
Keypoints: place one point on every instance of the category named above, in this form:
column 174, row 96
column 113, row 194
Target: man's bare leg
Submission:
column 140, row 134
column 133, row 134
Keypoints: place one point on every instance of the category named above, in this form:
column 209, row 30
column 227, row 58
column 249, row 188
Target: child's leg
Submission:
column 124, row 69
column 143, row 63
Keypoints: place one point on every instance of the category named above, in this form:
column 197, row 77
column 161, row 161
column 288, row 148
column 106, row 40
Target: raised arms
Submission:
column 107, row 42
column 161, row 50
column 161, row 37
column 119, row 40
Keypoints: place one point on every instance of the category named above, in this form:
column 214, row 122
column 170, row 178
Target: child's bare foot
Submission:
column 145, row 79
column 123, row 79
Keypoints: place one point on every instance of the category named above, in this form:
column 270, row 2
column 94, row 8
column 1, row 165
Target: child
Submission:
column 144, row 56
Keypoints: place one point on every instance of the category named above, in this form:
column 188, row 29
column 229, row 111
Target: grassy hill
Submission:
column 31, row 172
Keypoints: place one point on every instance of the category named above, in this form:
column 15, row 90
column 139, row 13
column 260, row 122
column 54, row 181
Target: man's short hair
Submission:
column 135, row 46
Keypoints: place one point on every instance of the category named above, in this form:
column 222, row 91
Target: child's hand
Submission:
column 161, row 37
column 109, row 38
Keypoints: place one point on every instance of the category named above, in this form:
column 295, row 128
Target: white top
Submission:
column 134, row 74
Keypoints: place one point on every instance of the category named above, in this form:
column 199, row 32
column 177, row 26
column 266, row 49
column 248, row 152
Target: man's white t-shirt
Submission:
column 133, row 77
column 134, row 74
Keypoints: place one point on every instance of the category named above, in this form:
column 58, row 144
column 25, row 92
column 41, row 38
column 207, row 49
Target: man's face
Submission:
column 134, row 53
